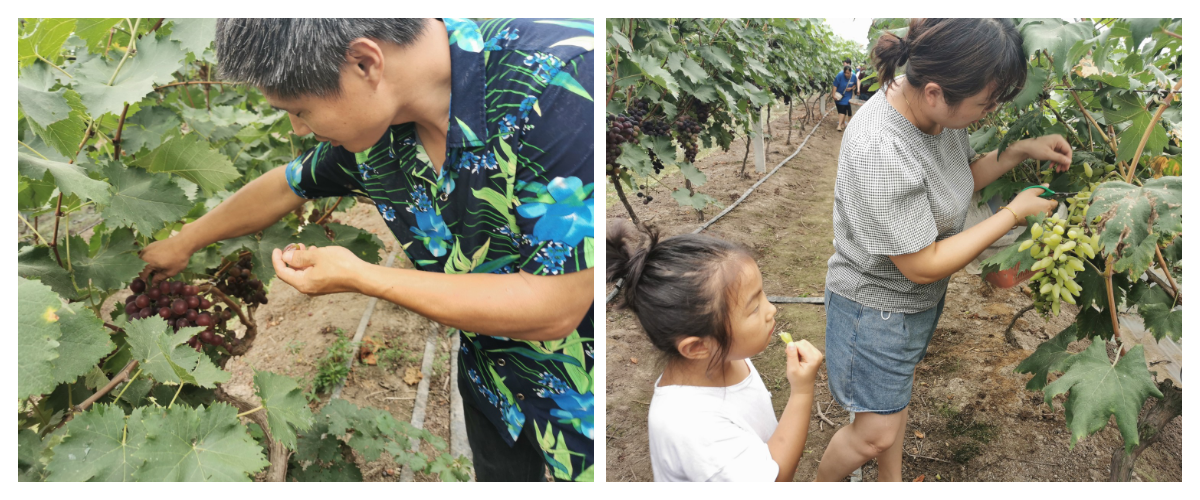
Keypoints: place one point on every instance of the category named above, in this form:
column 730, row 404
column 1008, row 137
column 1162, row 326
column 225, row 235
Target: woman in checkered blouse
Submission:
column 905, row 177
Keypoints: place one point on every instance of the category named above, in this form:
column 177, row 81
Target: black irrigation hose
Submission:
column 751, row 189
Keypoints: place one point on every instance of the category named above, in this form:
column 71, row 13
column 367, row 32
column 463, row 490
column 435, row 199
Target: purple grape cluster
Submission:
column 180, row 304
column 686, row 132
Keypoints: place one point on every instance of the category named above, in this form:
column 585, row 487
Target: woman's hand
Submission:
column 1028, row 203
column 318, row 271
column 803, row 359
column 1052, row 148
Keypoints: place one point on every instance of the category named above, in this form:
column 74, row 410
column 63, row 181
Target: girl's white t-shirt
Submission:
column 712, row 433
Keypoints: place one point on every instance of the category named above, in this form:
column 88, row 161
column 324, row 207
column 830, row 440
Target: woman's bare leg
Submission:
column 869, row 436
column 889, row 461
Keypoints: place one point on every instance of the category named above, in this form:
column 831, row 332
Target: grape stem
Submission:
column 248, row 412
column 1112, row 303
column 251, row 327
column 131, row 379
column 1162, row 263
column 621, row 194
column 117, row 137
column 176, row 396
column 329, row 211
column 121, row 376
column 31, row 228
column 1149, row 130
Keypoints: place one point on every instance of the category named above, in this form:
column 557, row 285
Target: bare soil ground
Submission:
column 970, row 418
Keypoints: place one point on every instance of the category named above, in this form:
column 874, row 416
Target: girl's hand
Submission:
column 318, row 271
column 1028, row 203
column 803, row 359
column 1052, row 148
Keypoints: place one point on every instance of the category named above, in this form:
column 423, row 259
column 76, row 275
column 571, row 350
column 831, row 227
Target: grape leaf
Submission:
column 1049, row 357
column 364, row 244
column 340, row 416
column 1131, row 137
column 1054, row 37
column 1140, row 28
column 33, row 194
column 37, row 263
column 83, row 343
column 190, row 157
column 287, row 410
column 1095, row 291
column 71, row 179
column 194, row 35
column 143, row 200
column 652, row 69
column 1136, row 218
column 691, row 173
column 1028, row 123
column 276, row 236
column 166, row 357
column 1035, row 80
column 30, row 451
column 38, row 332
column 113, row 264
column 198, row 444
column 318, row 444
column 1158, row 314
column 637, row 159
column 65, row 135
column 154, row 63
column 146, row 129
column 99, row 447
column 1094, row 322
column 1099, row 389
column 1125, row 106
column 94, row 32
column 46, row 40
column 37, row 101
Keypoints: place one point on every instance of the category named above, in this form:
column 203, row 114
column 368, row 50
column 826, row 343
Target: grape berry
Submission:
column 176, row 302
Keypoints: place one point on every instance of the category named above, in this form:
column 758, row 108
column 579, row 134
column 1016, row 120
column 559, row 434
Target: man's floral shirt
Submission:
column 514, row 193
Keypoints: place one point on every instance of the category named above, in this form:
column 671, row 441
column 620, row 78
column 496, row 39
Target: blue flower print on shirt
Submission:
column 365, row 171
column 465, row 33
column 545, row 65
column 388, row 213
column 421, row 199
column 550, row 385
column 526, row 107
column 503, row 36
column 432, row 231
column 508, row 126
column 553, row 256
column 575, row 409
column 568, row 218
column 468, row 161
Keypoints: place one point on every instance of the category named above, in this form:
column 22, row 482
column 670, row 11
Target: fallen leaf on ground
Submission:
column 412, row 375
column 919, row 479
column 919, row 434
column 633, row 360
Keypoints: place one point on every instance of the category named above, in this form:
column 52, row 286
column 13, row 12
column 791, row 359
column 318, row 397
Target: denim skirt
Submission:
column 871, row 355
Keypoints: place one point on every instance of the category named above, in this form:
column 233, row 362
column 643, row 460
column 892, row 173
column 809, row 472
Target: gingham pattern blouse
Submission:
column 898, row 190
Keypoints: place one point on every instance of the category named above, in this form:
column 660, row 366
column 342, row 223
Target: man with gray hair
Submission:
column 474, row 141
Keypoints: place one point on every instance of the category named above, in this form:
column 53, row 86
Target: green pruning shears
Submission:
column 1050, row 193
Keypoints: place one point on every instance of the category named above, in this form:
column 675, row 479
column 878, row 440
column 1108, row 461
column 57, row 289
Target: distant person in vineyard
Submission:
column 843, row 89
column 475, row 144
column 904, row 181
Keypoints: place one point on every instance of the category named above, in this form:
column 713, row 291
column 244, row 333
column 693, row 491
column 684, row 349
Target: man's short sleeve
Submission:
column 555, row 174
column 321, row 172
column 886, row 202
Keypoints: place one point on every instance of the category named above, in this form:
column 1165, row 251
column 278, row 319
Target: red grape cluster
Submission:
column 179, row 304
column 656, row 128
column 238, row 280
column 686, row 130
column 621, row 129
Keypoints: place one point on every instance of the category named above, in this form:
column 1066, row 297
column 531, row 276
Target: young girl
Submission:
column 701, row 301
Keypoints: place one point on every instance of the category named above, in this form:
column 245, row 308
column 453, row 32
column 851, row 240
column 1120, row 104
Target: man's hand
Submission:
column 166, row 258
column 318, row 271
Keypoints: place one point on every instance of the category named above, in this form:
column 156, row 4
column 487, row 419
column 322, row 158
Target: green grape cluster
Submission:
column 1060, row 245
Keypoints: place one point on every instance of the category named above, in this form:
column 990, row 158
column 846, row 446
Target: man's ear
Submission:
column 696, row 348
column 366, row 56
